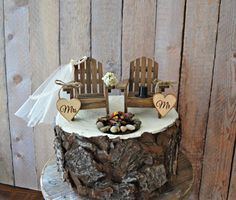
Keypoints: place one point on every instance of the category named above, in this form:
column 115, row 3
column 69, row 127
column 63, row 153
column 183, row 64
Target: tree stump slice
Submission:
column 54, row 188
column 138, row 166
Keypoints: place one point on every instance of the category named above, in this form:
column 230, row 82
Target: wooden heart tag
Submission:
column 163, row 103
column 68, row 108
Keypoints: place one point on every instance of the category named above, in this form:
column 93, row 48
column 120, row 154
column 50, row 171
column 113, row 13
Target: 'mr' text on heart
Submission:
column 163, row 104
column 67, row 109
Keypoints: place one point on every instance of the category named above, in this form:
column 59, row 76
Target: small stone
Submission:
column 123, row 123
column 123, row 128
column 100, row 125
column 137, row 121
column 130, row 127
column 114, row 129
column 105, row 129
column 137, row 124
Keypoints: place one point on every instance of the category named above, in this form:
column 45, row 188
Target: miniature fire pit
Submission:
column 118, row 123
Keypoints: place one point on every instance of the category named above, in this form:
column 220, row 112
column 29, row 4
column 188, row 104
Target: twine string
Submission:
column 157, row 83
column 77, row 62
column 69, row 85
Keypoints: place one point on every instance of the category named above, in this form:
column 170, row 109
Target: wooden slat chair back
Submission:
column 92, row 93
column 89, row 73
column 142, row 73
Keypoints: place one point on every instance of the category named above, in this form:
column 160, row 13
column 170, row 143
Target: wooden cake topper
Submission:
column 68, row 108
column 163, row 103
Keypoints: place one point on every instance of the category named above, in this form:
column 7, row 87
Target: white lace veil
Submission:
column 40, row 107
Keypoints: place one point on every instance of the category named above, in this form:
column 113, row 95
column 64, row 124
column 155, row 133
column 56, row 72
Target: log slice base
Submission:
column 104, row 168
column 54, row 188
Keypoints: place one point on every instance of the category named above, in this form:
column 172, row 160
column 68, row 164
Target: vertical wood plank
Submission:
column 88, row 75
column 76, row 72
column 221, row 128
column 6, row 169
column 196, row 76
column 168, row 43
column 138, row 35
column 74, row 29
column 19, row 88
column 94, row 75
column 155, row 73
column 143, row 70
column 75, row 92
column 149, row 74
column 131, row 77
column 82, row 77
column 100, row 74
column 44, row 56
column 136, row 76
column 106, row 34
column 232, row 188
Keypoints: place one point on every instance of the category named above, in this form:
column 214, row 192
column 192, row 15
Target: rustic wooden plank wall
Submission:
column 221, row 127
column 18, row 72
column 196, row 77
column 6, row 168
column 194, row 43
column 232, row 186
column 138, row 31
column 44, row 59
column 75, row 29
column 168, row 40
column 106, row 34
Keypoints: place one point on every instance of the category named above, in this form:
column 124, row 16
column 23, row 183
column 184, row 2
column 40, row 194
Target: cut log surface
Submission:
column 140, row 165
column 54, row 188
column 85, row 122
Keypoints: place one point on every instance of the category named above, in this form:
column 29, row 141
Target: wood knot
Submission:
column 17, row 79
column 10, row 36
column 20, row 3
column 18, row 155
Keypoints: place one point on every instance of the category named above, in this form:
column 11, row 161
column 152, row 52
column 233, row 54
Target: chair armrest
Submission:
column 122, row 85
column 162, row 85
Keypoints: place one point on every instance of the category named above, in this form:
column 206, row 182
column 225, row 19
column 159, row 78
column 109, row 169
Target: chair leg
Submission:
column 125, row 101
column 107, row 100
column 107, row 109
column 71, row 93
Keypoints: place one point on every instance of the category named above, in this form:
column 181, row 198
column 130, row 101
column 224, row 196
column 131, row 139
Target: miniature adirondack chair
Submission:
column 143, row 71
column 92, row 93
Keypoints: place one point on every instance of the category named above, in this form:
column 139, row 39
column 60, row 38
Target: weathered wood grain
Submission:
column 232, row 187
column 106, row 34
column 74, row 29
column 196, row 76
column 44, row 57
column 221, row 128
column 138, row 32
column 6, row 169
column 15, row 193
column 19, row 88
column 168, row 41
